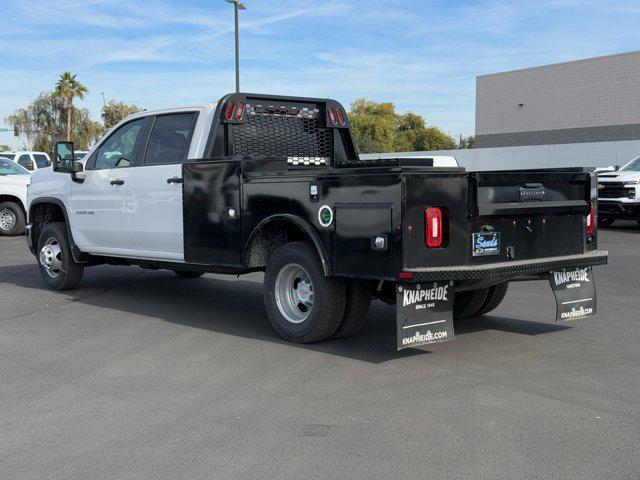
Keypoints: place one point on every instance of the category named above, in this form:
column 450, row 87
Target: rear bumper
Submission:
column 511, row 269
column 616, row 209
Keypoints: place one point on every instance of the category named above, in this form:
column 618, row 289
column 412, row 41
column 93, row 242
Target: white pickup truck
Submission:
column 275, row 184
column 619, row 194
column 14, row 180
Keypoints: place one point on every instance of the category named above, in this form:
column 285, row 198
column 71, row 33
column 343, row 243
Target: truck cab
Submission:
column 269, row 183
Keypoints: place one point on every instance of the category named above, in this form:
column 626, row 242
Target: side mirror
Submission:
column 617, row 167
column 63, row 158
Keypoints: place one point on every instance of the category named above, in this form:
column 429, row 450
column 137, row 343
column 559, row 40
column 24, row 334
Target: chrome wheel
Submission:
column 8, row 219
column 294, row 293
column 51, row 257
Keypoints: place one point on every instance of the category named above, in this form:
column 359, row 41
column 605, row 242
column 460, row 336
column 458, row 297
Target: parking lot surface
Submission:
column 141, row 375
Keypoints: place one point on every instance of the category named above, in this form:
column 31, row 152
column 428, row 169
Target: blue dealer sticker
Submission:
column 485, row 244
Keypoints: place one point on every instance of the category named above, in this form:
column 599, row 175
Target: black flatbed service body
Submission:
column 281, row 188
column 376, row 198
column 251, row 172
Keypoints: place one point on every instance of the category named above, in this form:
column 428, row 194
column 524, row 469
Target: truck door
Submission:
column 154, row 188
column 98, row 216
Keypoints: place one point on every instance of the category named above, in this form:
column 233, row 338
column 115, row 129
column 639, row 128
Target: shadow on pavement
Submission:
column 502, row 324
column 235, row 307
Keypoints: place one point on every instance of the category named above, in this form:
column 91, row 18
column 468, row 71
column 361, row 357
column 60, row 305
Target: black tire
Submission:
column 11, row 211
column 466, row 304
column 188, row 273
column 605, row 222
column 70, row 273
column 327, row 310
column 358, row 300
column 495, row 296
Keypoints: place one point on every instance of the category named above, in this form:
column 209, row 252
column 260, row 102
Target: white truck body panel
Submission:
column 145, row 211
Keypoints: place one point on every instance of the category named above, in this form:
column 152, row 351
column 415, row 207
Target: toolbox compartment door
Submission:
column 357, row 227
column 212, row 212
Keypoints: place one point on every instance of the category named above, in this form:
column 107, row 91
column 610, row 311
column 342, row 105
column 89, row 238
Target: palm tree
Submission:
column 67, row 87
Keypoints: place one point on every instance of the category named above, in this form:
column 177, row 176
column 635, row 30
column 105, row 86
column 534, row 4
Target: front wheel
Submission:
column 57, row 266
column 303, row 304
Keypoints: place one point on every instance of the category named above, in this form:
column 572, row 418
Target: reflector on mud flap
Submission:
column 424, row 314
column 575, row 293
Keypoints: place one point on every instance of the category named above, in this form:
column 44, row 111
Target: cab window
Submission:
column 42, row 161
column 118, row 150
column 25, row 161
column 170, row 138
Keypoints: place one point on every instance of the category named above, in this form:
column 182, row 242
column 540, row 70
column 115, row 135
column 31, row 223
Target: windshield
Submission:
column 632, row 166
column 10, row 156
column 7, row 167
column 77, row 156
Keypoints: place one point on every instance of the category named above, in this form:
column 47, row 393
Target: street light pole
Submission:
column 237, row 6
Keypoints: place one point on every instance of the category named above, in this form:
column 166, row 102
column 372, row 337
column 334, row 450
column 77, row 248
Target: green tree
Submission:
column 4, row 147
column 42, row 123
column 67, row 88
column 378, row 128
column 373, row 125
column 114, row 111
column 467, row 142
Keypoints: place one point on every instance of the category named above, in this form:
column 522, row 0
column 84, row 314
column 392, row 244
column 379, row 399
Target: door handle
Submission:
column 118, row 181
column 174, row 180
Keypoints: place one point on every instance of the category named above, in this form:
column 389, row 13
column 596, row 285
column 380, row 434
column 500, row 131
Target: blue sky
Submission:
column 421, row 55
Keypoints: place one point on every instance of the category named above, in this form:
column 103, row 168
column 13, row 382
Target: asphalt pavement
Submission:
column 140, row 375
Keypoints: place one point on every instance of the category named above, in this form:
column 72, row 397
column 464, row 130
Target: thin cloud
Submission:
column 423, row 55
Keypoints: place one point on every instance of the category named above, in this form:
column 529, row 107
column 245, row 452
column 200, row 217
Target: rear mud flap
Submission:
column 575, row 292
column 424, row 314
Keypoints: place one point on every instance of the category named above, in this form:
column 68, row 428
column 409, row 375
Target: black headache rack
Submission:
column 302, row 131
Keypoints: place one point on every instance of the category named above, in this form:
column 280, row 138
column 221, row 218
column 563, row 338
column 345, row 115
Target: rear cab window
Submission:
column 42, row 161
column 170, row 138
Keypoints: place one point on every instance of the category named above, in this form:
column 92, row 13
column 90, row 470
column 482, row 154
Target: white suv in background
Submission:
column 619, row 194
column 29, row 160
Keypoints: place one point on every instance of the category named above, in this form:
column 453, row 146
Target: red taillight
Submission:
column 433, row 219
column 591, row 220
column 332, row 116
column 229, row 111
column 239, row 111
column 341, row 117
